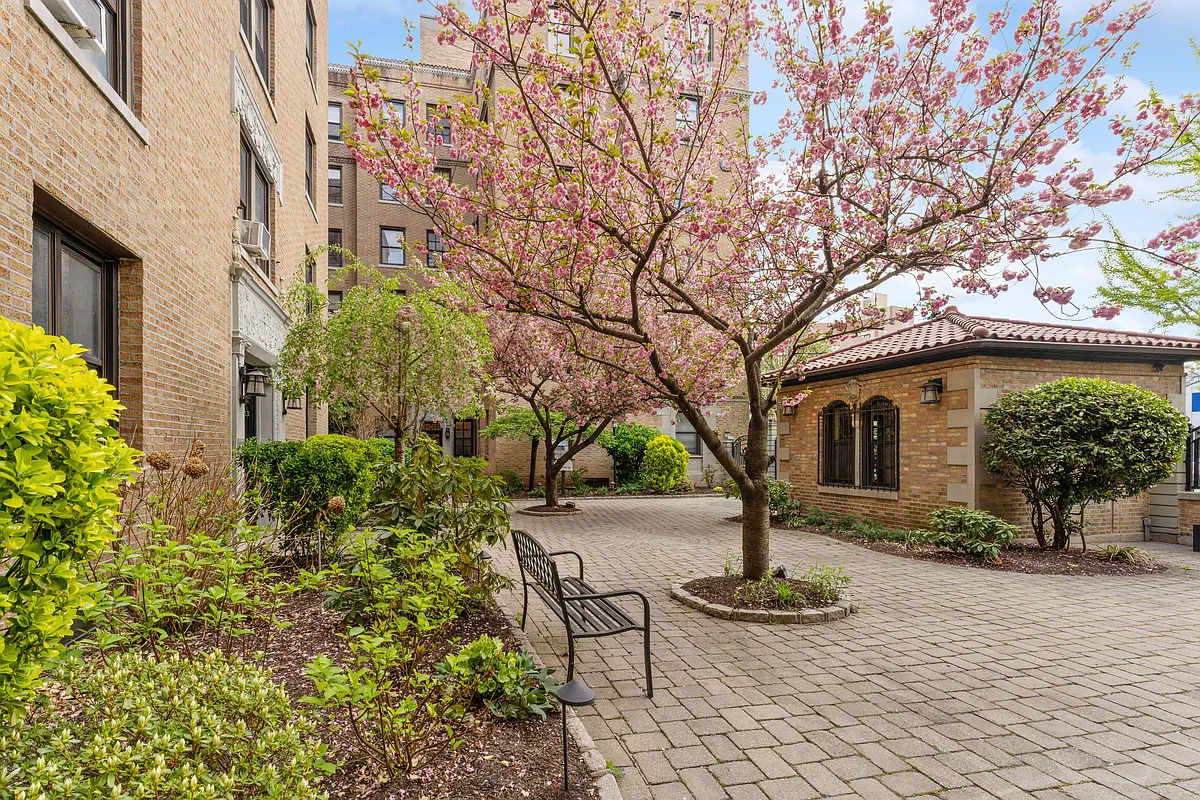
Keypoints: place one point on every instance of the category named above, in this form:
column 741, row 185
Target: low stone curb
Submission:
column 605, row 781
column 804, row 616
column 530, row 513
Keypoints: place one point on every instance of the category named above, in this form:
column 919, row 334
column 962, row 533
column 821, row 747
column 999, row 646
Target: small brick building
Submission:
column 891, row 428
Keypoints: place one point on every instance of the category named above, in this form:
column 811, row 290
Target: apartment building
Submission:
column 158, row 197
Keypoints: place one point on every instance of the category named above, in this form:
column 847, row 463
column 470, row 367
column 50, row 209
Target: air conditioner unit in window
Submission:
column 83, row 20
column 256, row 238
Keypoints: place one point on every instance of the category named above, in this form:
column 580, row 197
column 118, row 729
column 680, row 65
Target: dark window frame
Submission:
column 59, row 240
column 385, row 249
column 439, row 123
column 687, row 435
column 329, row 300
column 435, row 247
column 465, row 438
column 387, row 194
column 880, row 440
column 310, row 39
column 310, row 157
column 335, row 256
column 334, row 128
column 835, row 445
column 334, row 188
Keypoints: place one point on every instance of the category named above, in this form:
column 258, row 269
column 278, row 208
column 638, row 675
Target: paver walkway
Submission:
column 951, row 682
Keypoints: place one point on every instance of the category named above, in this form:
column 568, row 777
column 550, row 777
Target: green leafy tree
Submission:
column 552, row 429
column 402, row 355
column 1078, row 441
column 61, row 461
column 626, row 443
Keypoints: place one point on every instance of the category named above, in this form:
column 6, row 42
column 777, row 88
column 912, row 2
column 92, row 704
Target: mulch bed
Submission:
column 502, row 760
column 1030, row 560
column 544, row 509
column 723, row 590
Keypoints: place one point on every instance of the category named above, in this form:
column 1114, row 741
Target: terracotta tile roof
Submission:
column 954, row 331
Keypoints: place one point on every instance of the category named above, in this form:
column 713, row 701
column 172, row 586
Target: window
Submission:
column 699, row 34
column 687, row 114
column 685, row 432
column 559, row 31
column 399, row 113
column 335, row 121
column 836, row 445
column 880, row 444
column 310, row 39
column 335, row 185
column 391, row 246
column 387, row 194
column 309, row 147
column 440, row 125
column 464, row 437
column 434, row 247
column 107, row 50
column 335, row 256
column 73, row 290
column 445, row 174
column 255, row 196
column 255, row 23
column 335, row 302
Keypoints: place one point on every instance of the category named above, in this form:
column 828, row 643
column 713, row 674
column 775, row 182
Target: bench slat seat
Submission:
column 586, row 611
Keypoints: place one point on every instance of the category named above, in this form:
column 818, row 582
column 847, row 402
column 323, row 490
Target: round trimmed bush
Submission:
column 61, row 462
column 665, row 464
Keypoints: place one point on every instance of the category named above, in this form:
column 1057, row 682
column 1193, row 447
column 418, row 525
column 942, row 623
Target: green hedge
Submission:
column 299, row 481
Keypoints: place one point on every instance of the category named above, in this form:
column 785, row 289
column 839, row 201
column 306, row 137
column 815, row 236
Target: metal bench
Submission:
column 587, row 612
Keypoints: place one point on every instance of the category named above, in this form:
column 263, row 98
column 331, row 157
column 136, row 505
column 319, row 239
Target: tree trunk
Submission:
column 551, row 476
column 532, row 462
column 756, row 502
column 1058, row 516
column 398, row 449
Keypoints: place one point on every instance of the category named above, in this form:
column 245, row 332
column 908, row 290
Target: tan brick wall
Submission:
column 928, row 472
column 169, row 202
column 1189, row 516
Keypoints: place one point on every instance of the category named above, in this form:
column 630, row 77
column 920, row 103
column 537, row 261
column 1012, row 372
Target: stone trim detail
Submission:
column 804, row 616
column 241, row 102
column 604, row 781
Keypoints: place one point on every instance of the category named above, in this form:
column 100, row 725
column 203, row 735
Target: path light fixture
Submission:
column 931, row 391
column 574, row 693
column 254, row 383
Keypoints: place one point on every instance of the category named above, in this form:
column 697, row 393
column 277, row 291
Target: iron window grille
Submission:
column 862, row 456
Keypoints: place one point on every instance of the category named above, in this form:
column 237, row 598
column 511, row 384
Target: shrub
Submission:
column 301, row 483
column 780, row 502
column 443, row 498
column 512, row 481
column 507, row 683
column 143, row 727
column 665, row 465
column 626, row 444
column 1078, row 441
column 710, row 476
column 825, row 583
column 970, row 531
column 384, row 449
column 1127, row 553
column 61, row 461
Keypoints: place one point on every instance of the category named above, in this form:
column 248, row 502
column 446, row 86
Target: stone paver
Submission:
column 950, row 682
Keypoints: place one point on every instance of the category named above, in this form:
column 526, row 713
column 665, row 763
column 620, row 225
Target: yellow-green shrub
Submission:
column 61, row 461
column 665, row 465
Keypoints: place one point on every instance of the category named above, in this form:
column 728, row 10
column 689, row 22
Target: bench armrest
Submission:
column 570, row 553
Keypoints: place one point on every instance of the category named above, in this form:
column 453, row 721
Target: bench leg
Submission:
column 524, row 603
column 649, row 676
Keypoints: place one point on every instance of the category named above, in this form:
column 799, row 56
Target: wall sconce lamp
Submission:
column 789, row 410
column 931, row 391
column 292, row 404
column 254, row 383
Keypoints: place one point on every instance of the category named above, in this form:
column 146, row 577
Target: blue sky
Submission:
column 1164, row 60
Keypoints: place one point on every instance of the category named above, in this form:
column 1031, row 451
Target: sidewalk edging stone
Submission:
column 804, row 616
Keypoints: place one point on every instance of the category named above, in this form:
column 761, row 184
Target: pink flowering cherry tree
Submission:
column 571, row 400
column 618, row 194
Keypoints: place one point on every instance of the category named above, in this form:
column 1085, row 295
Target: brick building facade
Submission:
column 134, row 142
column 862, row 441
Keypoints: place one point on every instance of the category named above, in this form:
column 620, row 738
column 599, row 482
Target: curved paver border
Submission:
column 567, row 513
column 804, row 616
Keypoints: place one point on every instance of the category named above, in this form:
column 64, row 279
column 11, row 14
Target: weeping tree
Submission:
column 1078, row 441
column 620, row 195
column 400, row 351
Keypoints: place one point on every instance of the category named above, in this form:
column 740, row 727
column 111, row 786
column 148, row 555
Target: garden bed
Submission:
column 500, row 759
column 1030, row 560
column 735, row 598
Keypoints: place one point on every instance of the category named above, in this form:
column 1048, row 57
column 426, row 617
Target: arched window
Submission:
column 880, row 444
column 836, row 445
